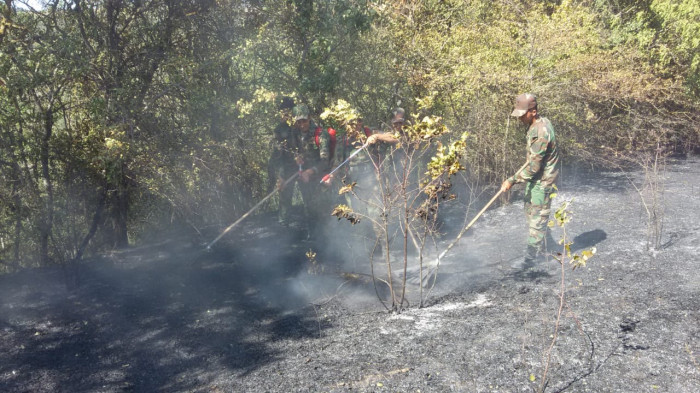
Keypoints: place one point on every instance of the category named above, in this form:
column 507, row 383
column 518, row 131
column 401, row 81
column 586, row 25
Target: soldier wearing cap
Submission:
column 539, row 174
column 398, row 119
column 313, row 146
column 309, row 149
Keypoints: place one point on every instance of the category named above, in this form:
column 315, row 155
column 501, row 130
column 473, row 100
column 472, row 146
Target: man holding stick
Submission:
column 539, row 173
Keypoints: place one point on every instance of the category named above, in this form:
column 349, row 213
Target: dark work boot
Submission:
column 528, row 260
column 532, row 252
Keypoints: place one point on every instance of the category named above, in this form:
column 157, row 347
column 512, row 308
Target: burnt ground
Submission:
column 248, row 316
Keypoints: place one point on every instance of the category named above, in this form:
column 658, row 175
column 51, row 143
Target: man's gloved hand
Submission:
column 280, row 184
column 506, row 185
column 327, row 180
column 306, row 175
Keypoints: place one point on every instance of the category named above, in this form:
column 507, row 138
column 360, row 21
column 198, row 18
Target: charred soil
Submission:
column 254, row 315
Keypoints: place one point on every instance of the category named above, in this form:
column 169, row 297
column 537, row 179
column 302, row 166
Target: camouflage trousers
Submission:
column 317, row 204
column 315, row 199
column 285, row 201
column 537, row 209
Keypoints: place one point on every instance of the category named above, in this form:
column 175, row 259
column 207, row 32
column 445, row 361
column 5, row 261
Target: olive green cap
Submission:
column 523, row 103
column 398, row 115
column 300, row 112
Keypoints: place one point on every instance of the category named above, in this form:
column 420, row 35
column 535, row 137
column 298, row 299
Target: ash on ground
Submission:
column 255, row 315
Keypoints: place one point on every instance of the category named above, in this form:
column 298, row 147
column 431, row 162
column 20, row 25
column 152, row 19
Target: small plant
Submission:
column 411, row 179
column 562, row 216
column 652, row 195
column 314, row 267
column 652, row 160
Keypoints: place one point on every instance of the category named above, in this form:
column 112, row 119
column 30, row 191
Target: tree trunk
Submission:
column 121, row 210
column 46, row 225
column 18, row 220
column 96, row 219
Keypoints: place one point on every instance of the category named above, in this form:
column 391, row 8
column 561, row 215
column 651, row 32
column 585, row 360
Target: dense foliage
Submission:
column 119, row 118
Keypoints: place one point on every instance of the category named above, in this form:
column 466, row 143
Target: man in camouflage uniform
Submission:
column 313, row 160
column 539, row 173
column 299, row 152
column 356, row 136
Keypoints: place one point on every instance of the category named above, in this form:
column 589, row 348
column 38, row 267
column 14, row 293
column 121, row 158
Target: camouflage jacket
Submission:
column 315, row 150
column 289, row 146
column 542, row 155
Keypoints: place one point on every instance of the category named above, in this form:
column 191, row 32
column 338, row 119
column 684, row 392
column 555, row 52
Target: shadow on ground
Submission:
column 588, row 239
column 149, row 319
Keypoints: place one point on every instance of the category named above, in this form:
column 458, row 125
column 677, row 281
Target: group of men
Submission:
column 304, row 153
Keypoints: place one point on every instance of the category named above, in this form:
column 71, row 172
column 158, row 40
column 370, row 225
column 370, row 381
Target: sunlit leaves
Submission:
column 447, row 159
column 347, row 188
column 340, row 115
column 562, row 216
column 679, row 42
column 665, row 33
column 314, row 266
column 261, row 96
column 580, row 261
column 346, row 212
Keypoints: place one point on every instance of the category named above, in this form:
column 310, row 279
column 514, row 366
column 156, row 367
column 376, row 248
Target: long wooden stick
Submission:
column 449, row 247
column 433, row 272
column 356, row 152
column 257, row 205
column 442, row 254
